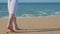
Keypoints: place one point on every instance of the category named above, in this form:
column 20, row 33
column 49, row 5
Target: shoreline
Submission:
column 32, row 17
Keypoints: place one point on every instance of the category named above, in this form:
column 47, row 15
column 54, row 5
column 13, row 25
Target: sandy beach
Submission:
column 43, row 25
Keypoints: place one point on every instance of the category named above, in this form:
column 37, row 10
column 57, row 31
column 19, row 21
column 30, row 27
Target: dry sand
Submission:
column 44, row 25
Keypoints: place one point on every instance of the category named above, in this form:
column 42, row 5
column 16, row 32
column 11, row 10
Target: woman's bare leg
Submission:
column 14, row 23
column 10, row 24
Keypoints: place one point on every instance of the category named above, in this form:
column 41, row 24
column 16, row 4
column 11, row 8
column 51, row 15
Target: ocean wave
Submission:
column 57, row 13
column 38, row 15
column 6, row 17
column 41, row 12
column 32, row 17
column 26, row 15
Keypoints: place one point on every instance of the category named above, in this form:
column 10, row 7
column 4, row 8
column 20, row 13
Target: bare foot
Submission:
column 10, row 29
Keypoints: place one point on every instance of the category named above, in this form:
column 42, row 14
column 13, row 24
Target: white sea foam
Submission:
column 57, row 13
column 41, row 12
column 39, row 15
column 26, row 15
column 6, row 17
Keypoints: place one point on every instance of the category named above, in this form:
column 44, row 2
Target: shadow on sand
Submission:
column 37, row 30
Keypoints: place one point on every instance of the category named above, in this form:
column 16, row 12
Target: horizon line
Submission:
column 34, row 2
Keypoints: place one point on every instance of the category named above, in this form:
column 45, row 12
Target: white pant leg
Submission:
column 8, row 4
column 12, row 6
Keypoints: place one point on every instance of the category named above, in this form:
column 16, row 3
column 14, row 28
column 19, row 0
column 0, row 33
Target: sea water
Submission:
column 29, row 10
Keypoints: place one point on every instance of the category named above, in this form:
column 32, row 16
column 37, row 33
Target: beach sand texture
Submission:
column 44, row 25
